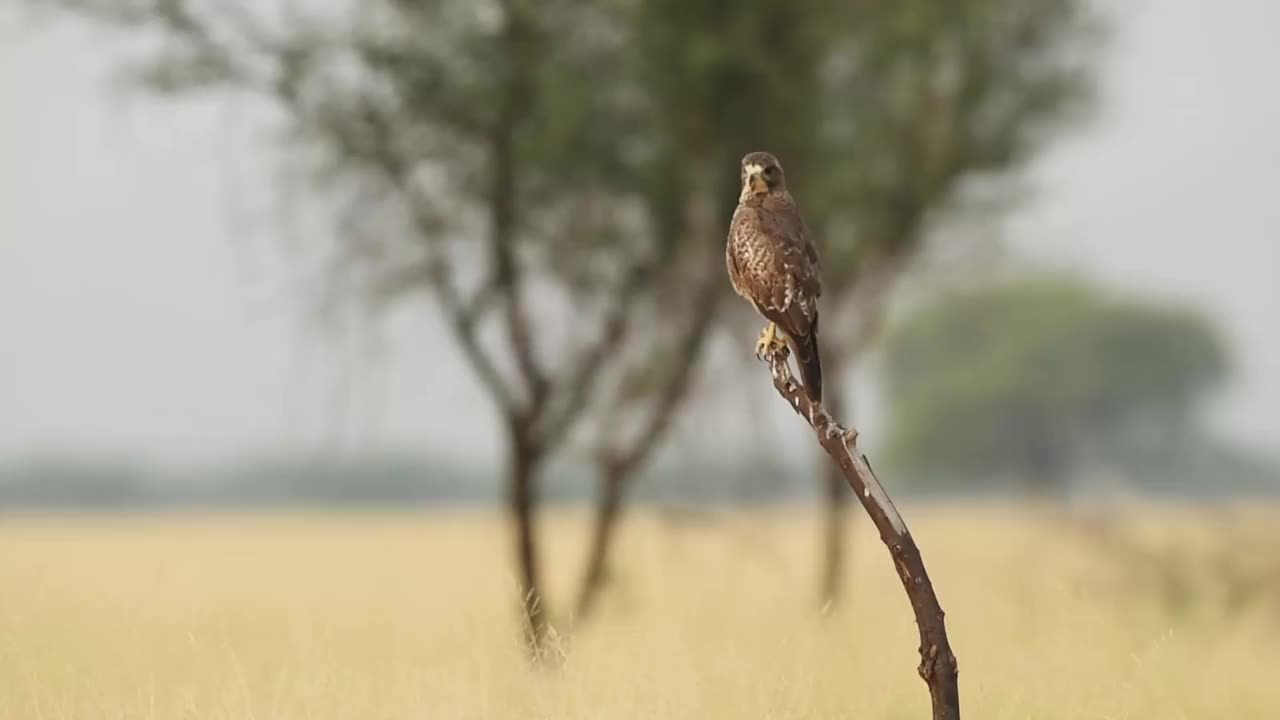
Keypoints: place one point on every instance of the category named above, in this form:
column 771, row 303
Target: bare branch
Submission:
column 676, row 383
column 937, row 662
column 463, row 314
column 436, row 273
column 578, row 383
column 518, row 43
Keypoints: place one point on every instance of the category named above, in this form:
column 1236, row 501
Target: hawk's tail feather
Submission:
column 806, row 347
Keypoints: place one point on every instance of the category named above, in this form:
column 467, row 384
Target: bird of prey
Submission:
column 773, row 264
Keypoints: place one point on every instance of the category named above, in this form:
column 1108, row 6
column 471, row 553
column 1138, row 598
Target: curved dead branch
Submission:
column 937, row 662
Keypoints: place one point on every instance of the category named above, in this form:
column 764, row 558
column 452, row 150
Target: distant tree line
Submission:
column 378, row 480
column 1201, row 469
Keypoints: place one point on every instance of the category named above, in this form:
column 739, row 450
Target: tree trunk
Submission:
column 608, row 509
column 835, row 511
column 522, row 498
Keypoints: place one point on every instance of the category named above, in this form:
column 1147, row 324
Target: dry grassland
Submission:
column 412, row 616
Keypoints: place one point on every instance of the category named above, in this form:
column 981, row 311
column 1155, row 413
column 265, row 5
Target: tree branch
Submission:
column 436, row 273
column 519, row 42
column 937, row 662
column 675, row 385
column 578, row 382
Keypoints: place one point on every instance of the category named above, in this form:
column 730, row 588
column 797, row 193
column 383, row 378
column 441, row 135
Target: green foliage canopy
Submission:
column 1032, row 378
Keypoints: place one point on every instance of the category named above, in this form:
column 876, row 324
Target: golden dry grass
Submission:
column 379, row 616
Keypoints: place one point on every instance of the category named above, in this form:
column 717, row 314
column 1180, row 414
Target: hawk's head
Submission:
column 761, row 174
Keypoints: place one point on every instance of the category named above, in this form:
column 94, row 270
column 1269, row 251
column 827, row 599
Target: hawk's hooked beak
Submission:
column 755, row 180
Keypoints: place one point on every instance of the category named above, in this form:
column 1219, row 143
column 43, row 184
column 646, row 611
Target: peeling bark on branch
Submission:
column 937, row 662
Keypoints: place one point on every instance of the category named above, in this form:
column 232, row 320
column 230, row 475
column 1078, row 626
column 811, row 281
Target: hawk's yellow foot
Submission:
column 769, row 341
column 766, row 339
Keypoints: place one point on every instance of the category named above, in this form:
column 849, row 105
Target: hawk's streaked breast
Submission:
column 773, row 264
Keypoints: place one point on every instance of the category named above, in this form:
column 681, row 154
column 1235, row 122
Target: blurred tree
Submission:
column 1032, row 379
column 882, row 113
column 722, row 80
column 930, row 110
column 475, row 159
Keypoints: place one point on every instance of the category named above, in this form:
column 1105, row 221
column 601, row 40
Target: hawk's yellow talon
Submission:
column 770, row 342
column 768, row 339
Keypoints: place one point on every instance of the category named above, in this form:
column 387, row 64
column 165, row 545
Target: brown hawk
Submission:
column 773, row 264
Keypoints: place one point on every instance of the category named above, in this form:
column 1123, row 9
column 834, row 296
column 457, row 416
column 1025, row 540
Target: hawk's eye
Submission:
column 770, row 171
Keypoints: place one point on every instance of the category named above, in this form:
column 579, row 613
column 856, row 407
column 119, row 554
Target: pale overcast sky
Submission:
column 137, row 314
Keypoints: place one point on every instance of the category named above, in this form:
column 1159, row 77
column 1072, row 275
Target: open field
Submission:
column 412, row 616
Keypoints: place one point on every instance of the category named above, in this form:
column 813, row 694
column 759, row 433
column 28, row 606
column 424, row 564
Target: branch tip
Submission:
column 850, row 437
